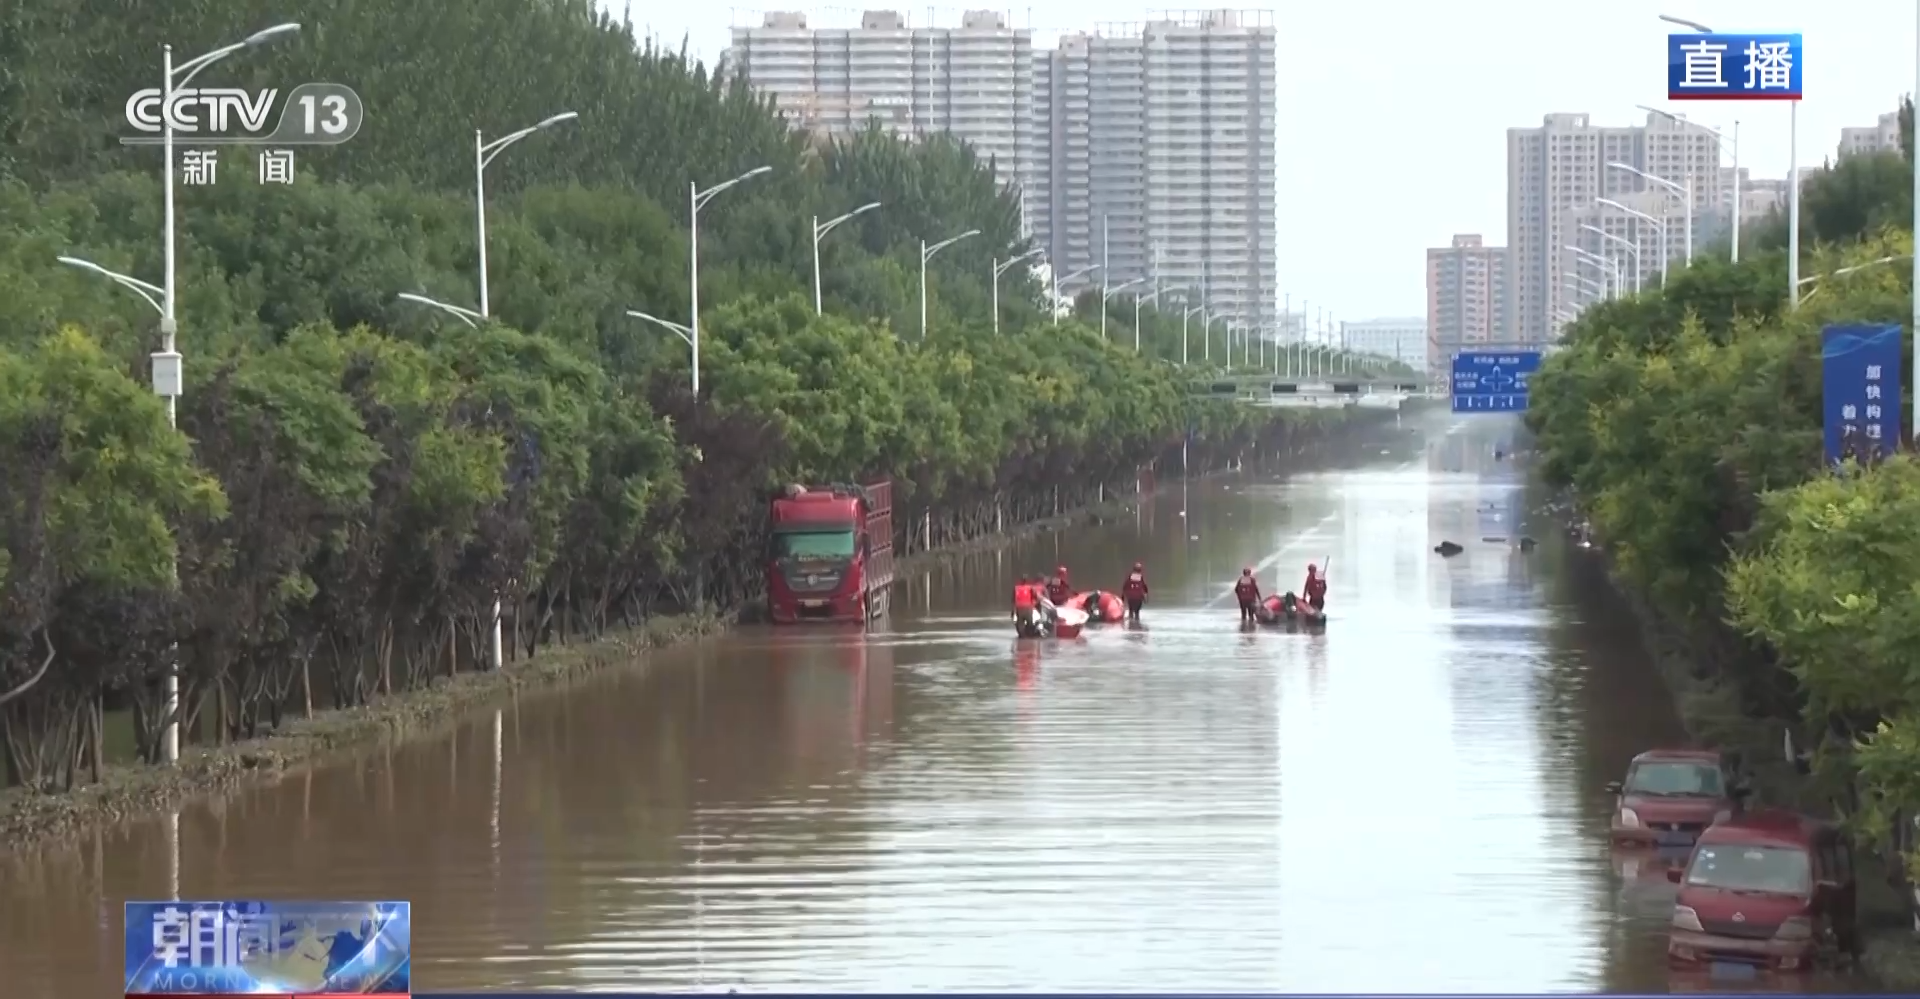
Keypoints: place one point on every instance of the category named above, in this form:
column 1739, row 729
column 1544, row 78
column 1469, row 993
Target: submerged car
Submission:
column 1768, row 891
column 1671, row 795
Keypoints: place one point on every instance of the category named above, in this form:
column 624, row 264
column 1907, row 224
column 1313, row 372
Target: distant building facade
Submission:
column 974, row 81
column 1403, row 340
column 1881, row 137
column 1148, row 147
column 1467, row 299
column 1556, row 174
column 1157, row 157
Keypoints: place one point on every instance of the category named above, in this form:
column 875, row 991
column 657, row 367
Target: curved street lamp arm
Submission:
column 1856, row 267
column 1005, row 265
column 1123, row 285
column 497, row 146
column 1662, row 226
column 700, row 199
column 1592, row 258
column 186, row 71
column 682, row 332
column 828, row 225
column 468, row 316
column 141, row 288
column 943, row 244
column 1603, row 234
column 1683, row 119
column 1683, row 22
column 1662, row 181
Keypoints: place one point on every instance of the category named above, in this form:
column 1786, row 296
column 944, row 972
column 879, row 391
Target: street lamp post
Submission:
column 1107, row 293
column 1793, row 192
column 1608, row 269
column 1184, row 316
column 1152, row 296
column 1735, row 143
column 483, row 154
column 696, row 200
column 926, row 254
column 1060, row 278
column 1000, row 267
column 820, row 230
column 168, row 367
column 1685, row 191
column 1659, row 226
column 1631, row 247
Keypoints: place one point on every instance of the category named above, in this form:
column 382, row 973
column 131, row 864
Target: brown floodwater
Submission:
column 1412, row 800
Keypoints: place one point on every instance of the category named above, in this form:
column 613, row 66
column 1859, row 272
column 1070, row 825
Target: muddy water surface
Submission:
column 1410, row 801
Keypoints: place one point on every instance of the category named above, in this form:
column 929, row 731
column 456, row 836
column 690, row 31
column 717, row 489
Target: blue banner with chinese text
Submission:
column 1860, row 391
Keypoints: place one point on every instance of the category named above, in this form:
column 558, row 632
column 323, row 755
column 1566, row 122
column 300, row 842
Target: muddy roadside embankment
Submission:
column 129, row 792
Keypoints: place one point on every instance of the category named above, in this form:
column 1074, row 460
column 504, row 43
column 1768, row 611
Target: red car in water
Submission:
column 1671, row 795
column 1766, row 891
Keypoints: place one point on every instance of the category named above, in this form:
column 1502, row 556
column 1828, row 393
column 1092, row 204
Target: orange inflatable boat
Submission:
column 1100, row 606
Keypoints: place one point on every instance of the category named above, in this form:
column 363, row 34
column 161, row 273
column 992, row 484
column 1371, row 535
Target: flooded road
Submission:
column 1411, row 801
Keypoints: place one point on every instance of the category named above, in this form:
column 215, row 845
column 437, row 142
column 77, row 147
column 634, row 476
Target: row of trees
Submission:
column 1688, row 422
column 356, row 479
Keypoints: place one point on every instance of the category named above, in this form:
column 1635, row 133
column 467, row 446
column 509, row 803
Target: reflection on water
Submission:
column 1412, row 799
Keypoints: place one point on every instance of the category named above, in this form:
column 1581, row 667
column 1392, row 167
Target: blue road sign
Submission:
column 1492, row 383
column 1733, row 67
column 1860, row 391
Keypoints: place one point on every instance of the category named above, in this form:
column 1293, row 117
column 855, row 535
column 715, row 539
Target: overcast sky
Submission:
column 1393, row 115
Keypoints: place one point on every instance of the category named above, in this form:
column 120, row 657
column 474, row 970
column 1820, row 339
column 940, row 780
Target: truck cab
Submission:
column 829, row 553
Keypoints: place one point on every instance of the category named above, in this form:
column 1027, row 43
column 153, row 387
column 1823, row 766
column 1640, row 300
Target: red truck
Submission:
column 830, row 553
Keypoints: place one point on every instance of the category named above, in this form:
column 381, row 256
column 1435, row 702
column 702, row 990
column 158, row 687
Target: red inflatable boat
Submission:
column 1100, row 607
column 1289, row 610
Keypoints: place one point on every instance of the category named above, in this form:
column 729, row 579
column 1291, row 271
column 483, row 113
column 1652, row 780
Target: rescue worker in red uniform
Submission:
column 1247, row 590
column 1315, row 588
column 1026, row 604
column 1134, row 591
column 1058, row 589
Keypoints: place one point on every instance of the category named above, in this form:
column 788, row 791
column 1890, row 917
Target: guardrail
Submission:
column 1248, row 387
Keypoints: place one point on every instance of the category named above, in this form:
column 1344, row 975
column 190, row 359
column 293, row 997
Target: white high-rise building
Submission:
column 1147, row 146
column 973, row 81
column 1156, row 157
column 1555, row 175
column 1403, row 340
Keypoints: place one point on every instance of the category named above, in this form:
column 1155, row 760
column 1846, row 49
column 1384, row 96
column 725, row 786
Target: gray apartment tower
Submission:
column 1557, row 176
column 1159, row 134
column 1156, row 156
column 974, row 81
column 1467, row 299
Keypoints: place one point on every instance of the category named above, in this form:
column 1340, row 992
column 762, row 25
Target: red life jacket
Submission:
column 1135, row 587
column 1059, row 591
column 1246, row 589
column 1023, row 597
column 1316, row 586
